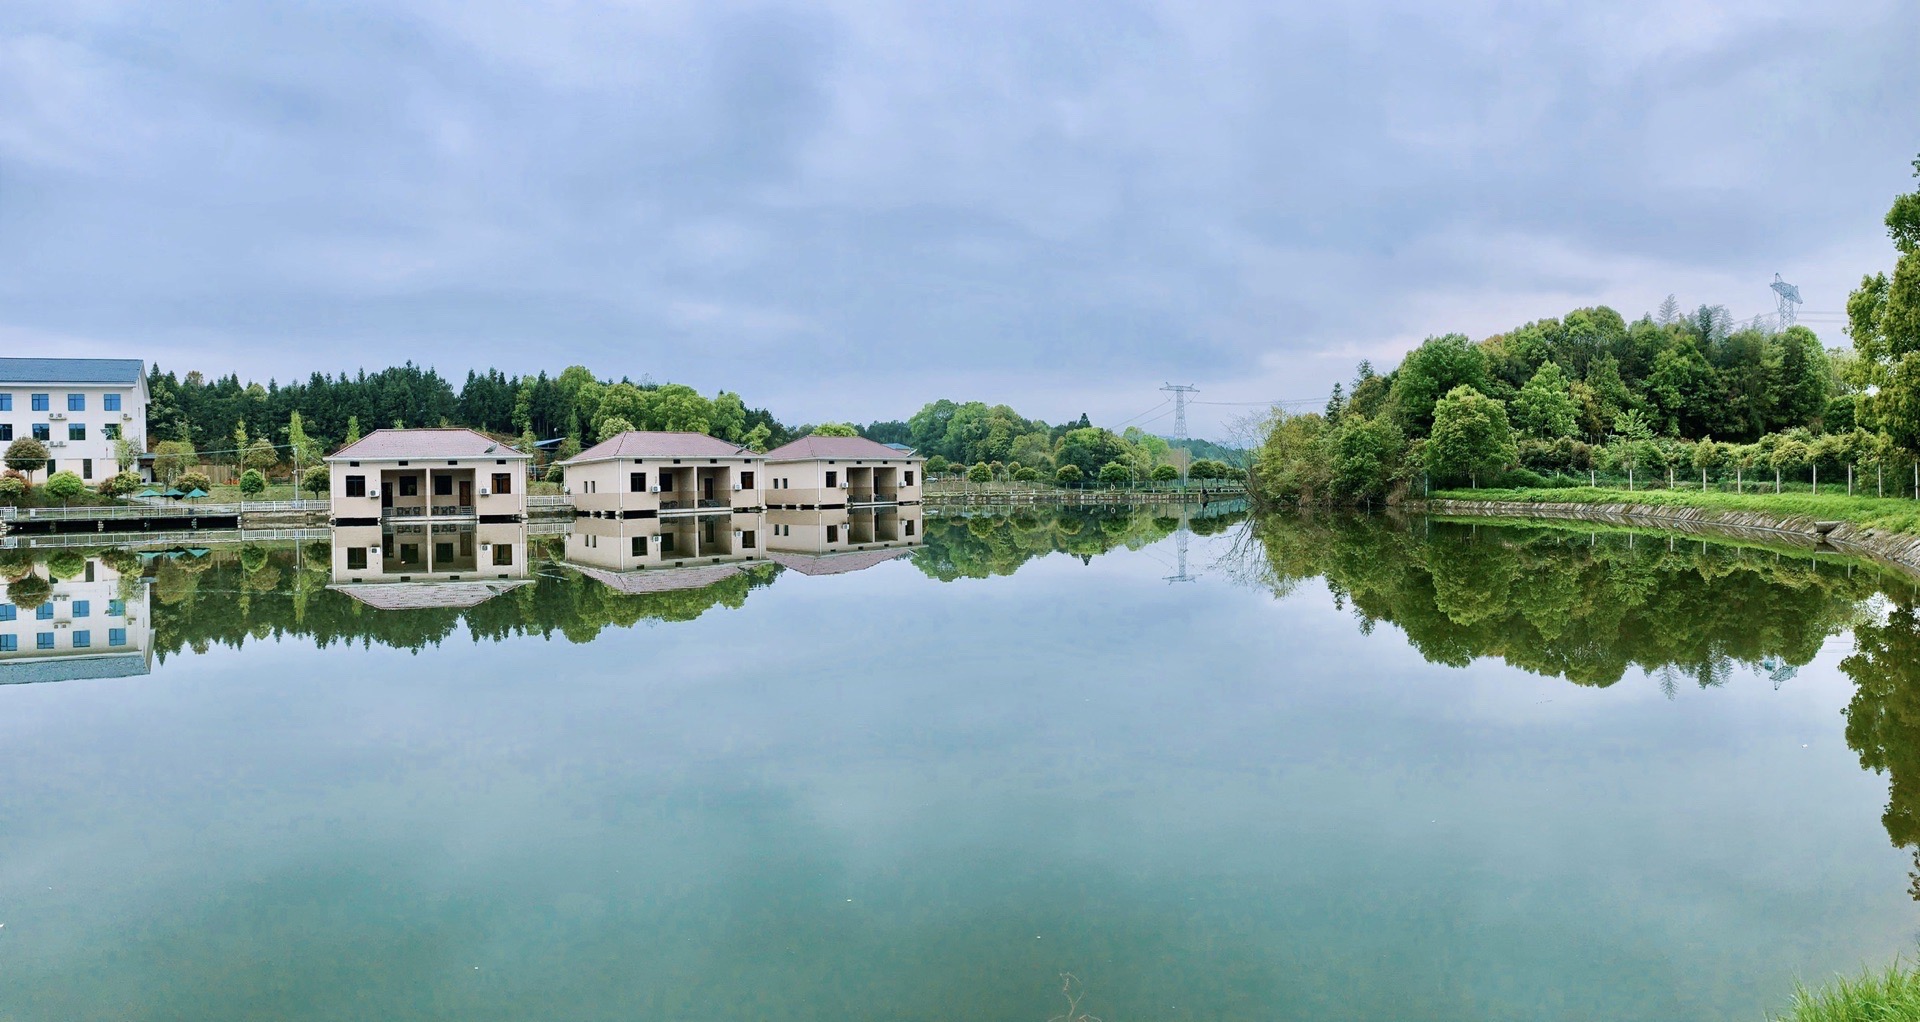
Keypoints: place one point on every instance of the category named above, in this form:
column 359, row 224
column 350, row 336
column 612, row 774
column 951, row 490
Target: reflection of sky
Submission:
column 877, row 796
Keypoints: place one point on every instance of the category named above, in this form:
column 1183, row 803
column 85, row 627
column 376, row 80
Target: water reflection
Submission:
column 419, row 566
column 73, row 616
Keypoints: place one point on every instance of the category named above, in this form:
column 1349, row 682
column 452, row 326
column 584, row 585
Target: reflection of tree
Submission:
column 1571, row 605
column 982, row 546
column 1883, row 719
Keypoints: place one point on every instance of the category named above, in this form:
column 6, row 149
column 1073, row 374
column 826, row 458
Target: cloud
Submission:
column 844, row 209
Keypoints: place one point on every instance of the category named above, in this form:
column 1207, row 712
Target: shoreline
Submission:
column 1897, row 549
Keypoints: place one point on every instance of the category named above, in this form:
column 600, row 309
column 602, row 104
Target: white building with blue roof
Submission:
column 81, row 408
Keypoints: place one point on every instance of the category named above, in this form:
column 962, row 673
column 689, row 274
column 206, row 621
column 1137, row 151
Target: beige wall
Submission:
column 627, row 544
column 423, row 553
column 803, row 483
column 605, row 487
column 380, row 474
column 840, row 529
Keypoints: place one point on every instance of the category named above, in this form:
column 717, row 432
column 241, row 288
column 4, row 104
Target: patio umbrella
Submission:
column 171, row 492
column 196, row 493
column 148, row 492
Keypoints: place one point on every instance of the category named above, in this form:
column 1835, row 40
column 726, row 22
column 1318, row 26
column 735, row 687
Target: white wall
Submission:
column 72, row 455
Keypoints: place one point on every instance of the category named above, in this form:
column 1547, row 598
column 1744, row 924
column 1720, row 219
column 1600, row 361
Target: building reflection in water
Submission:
column 67, row 620
column 652, row 555
column 403, row 567
column 834, row 542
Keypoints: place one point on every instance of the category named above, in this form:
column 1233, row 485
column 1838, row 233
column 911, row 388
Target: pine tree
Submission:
column 1669, row 311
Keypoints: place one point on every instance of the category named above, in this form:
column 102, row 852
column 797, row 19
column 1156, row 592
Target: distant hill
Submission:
column 1208, row 449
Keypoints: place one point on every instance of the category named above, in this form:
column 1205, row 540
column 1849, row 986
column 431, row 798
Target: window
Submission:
column 44, row 612
column 906, row 478
column 443, row 552
column 116, row 608
column 746, row 539
column 111, row 431
column 6, row 402
column 409, row 553
column 356, row 558
column 833, row 480
column 502, row 483
column 82, row 608
column 746, row 480
column 86, row 468
column 8, row 612
column 6, row 431
column 639, row 546
column 111, row 402
column 636, row 482
column 666, row 543
column 42, row 431
column 76, row 402
column 502, row 554
column 409, row 486
column 9, row 644
column 357, row 487
column 76, row 431
column 42, row 403
column 116, row 636
column 443, row 486
column 833, row 533
column 43, row 640
column 82, row 639
column 909, row 528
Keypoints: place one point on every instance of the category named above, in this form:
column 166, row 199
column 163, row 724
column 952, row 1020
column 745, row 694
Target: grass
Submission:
column 1890, row 514
column 1889, row 995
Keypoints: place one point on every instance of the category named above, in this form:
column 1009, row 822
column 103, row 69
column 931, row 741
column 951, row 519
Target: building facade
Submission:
column 823, row 472
column 90, row 412
column 427, row 475
column 840, row 540
column 95, row 625
column 642, row 474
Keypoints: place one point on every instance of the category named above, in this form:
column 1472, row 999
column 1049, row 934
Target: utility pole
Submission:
column 1180, row 392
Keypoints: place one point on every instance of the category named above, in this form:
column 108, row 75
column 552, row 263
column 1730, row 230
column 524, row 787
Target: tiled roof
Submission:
column 836, row 447
column 426, row 595
column 643, row 444
column 837, row 563
column 426, row 443
column 71, row 370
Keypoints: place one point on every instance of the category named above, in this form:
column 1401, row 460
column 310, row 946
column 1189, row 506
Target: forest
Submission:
column 1671, row 394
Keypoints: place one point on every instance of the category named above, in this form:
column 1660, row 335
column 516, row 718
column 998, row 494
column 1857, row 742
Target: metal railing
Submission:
column 437, row 511
column 548, row 501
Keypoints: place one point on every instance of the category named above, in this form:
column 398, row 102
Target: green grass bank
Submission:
column 1891, row 994
column 1881, row 514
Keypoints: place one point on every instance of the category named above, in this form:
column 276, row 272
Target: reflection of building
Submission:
column 79, row 407
column 641, row 474
column 841, row 471
column 639, row 555
column 95, row 625
column 402, row 566
column 836, row 541
column 447, row 474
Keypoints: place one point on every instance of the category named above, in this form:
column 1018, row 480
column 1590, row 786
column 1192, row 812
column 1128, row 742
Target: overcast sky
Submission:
column 845, row 209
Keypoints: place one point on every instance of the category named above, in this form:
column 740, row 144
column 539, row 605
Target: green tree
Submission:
column 187, row 482
column 1471, row 435
column 1801, row 379
column 1632, row 445
column 252, row 483
column 835, row 429
column 353, row 429
column 1027, row 474
column 1708, row 455
column 756, row 439
column 1366, row 455
column 980, row 473
column 1544, row 408
column 64, row 486
column 172, row 457
column 612, row 426
column 316, row 480
column 1434, row 369
column 303, row 446
column 13, row 489
column 1164, row 473
column 119, row 484
column 1115, row 473
column 1067, row 475
column 261, row 456
column 937, row 465
column 26, row 455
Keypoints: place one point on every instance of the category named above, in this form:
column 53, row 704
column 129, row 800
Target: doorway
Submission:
column 466, row 493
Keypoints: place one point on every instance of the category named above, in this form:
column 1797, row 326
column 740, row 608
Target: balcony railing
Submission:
column 438, row 511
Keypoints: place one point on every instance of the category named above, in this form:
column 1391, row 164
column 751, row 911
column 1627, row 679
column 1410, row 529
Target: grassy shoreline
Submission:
column 1882, row 995
column 1889, row 514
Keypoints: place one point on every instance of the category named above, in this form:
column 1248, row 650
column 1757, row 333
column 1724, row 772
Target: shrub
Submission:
column 1165, row 473
column 120, row 484
column 1027, row 474
column 252, row 483
column 64, row 486
column 13, row 488
column 1067, row 475
column 187, row 482
column 980, row 473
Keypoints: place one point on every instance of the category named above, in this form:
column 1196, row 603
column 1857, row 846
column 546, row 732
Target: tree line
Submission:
column 1673, row 393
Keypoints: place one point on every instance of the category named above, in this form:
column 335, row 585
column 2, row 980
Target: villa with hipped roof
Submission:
column 642, row 474
column 819, row 472
column 427, row 475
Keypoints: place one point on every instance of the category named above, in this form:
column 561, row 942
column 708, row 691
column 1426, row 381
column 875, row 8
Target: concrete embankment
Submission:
column 1895, row 548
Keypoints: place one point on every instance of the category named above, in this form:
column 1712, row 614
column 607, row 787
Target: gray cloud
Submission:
column 845, row 209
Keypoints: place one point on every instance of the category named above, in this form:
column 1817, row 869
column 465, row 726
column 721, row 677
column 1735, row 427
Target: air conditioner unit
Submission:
column 483, row 491
column 653, row 489
column 126, row 416
column 56, row 443
column 843, row 486
column 56, row 415
column 484, row 547
column 736, row 487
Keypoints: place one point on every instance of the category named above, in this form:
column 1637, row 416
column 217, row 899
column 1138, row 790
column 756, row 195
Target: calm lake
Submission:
column 1349, row 768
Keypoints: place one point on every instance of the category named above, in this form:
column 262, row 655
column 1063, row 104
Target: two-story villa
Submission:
column 642, row 474
column 427, row 475
column 817, row 472
column 81, row 408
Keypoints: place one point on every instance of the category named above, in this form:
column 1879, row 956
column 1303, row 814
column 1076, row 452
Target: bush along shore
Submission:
column 1886, row 995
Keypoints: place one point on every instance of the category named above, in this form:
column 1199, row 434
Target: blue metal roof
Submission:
column 72, row 668
column 71, row 370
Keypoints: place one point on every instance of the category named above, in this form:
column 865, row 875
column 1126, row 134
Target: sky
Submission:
column 843, row 210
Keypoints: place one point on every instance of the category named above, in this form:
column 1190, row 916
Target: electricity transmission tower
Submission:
column 1180, row 392
column 1789, row 298
column 1180, row 546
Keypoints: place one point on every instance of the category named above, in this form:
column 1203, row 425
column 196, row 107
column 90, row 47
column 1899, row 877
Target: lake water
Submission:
column 1351, row 769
